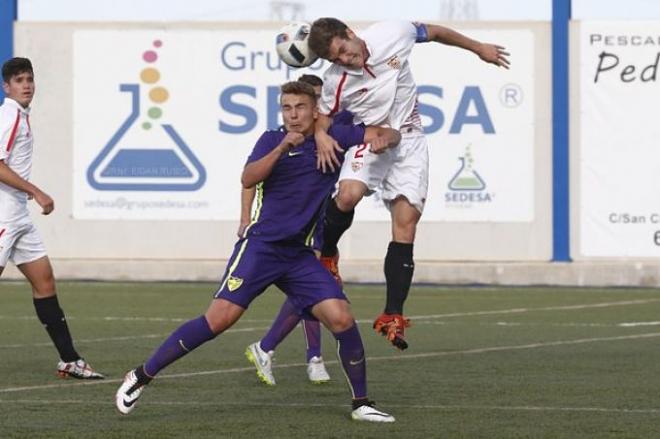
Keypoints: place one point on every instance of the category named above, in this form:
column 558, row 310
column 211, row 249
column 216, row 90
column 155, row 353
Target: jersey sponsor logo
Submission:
column 234, row 283
column 356, row 166
column 362, row 91
column 394, row 63
column 295, row 153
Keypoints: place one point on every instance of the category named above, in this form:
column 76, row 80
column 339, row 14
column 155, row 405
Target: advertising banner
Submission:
column 165, row 119
column 619, row 131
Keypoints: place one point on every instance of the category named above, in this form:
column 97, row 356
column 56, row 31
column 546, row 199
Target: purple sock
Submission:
column 184, row 339
column 284, row 323
column 312, row 333
column 351, row 355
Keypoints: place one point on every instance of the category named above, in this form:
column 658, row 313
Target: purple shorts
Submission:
column 255, row 265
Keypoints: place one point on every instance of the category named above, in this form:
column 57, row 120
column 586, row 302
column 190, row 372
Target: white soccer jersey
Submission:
column 16, row 152
column 383, row 92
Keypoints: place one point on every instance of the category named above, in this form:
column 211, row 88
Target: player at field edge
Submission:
column 371, row 77
column 274, row 250
column 20, row 241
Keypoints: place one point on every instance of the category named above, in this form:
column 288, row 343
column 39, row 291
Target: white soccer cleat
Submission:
column 368, row 413
column 316, row 371
column 79, row 369
column 128, row 393
column 263, row 361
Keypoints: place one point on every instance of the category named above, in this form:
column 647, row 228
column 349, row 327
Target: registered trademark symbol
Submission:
column 511, row 95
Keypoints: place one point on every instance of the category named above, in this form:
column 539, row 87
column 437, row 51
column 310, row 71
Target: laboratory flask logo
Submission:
column 467, row 178
column 466, row 186
column 145, row 154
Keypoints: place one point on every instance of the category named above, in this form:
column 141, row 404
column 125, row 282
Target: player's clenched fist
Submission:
column 45, row 201
column 292, row 139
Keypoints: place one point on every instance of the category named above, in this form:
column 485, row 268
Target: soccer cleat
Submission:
column 368, row 412
column 392, row 327
column 263, row 361
column 331, row 263
column 128, row 393
column 316, row 371
column 79, row 369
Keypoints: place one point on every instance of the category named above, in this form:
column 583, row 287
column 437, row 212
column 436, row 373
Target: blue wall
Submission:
column 7, row 18
column 561, row 15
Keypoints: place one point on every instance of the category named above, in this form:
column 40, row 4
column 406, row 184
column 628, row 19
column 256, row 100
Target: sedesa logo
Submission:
column 245, row 100
column 471, row 109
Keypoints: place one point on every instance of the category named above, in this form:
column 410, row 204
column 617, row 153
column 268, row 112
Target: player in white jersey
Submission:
column 371, row 77
column 19, row 240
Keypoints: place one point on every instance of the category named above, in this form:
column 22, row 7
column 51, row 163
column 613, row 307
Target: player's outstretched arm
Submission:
column 247, row 198
column 326, row 146
column 10, row 178
column 259, row 170
column 490, row 53
column 380, row 138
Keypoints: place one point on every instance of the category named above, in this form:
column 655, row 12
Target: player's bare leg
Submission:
column 40, row 275
column 338, row 218
column 399, row 268
column 336, row 315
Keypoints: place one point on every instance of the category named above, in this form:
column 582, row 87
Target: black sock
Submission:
column 359, row 402
column 335, row 224
column 399, row 268
column 52, row 317
column 143, row 378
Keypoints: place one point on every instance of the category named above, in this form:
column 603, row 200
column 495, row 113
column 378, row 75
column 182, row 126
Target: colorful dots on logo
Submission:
column 158, row 95
column 155, row 112
column 150, row 76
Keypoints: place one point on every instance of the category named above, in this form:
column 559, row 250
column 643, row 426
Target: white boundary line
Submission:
column 381, row 358
column 545, row 308
column 430, row 316
column 124, row 338
column 317, row 405
column 360, row 321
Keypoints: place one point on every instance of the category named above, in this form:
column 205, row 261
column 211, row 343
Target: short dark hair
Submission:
column 312, row 80
column 299, row 88
column 16, row 66
column 322, row 32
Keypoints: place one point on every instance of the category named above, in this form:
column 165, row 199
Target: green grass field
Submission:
column 483, row 362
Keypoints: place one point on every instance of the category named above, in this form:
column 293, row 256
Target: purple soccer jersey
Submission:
column 290, row 200
column 275, row 246
column 344, row 117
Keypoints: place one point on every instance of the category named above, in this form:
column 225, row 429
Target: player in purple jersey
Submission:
column 274, row 250
column 287, row 318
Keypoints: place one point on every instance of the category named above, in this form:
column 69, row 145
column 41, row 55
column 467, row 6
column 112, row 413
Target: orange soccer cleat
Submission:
column 392, row 327
column 332, row 265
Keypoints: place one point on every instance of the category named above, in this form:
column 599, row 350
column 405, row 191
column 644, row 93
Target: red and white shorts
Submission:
column 399, row 171
column 20, row 243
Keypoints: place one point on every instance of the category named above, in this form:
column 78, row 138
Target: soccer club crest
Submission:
column 394, row 63
column 356, row 166
column 234, row 283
